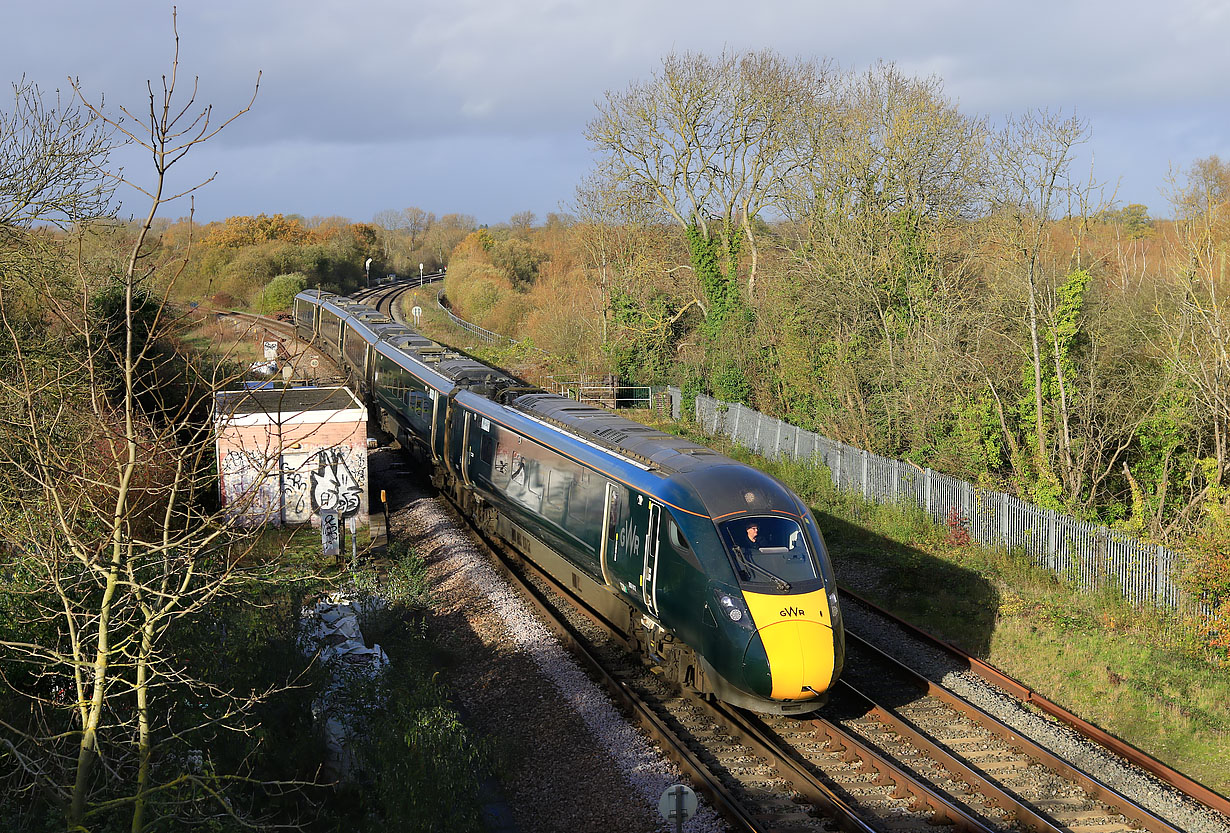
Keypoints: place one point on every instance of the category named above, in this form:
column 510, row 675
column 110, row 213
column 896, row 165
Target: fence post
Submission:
column 1003, row 524
column 865, row 493
column 1052, row 540
column 777, row 441
column 927, row 489
column 1160, row 578
column 734, row 433
column 967, row 508
column 797, row 432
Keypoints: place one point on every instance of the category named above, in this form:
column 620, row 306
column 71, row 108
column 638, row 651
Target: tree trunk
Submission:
column 144, row 743
column 1039, row 417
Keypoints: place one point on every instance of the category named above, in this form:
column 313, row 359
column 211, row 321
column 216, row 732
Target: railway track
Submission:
column 384, row 298
column 892, row 751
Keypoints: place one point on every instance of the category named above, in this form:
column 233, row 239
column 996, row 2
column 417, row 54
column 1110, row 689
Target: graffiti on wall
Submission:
column 310, row 481
column 334, row 485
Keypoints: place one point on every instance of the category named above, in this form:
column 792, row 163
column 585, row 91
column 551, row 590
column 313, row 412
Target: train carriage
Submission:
column 650, row 529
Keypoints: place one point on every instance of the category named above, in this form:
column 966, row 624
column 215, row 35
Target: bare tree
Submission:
column 1196, row 321
column 106, row 459
column 51, row 162
column 1034, row 186
column 522, row 221
column 711, row 142
column 876, row 220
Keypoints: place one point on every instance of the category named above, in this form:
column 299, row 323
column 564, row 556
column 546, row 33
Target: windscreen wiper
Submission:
column 744, row 561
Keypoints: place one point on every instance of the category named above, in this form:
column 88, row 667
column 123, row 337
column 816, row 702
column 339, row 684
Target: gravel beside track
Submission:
column 572, row 761
column 1157, row 797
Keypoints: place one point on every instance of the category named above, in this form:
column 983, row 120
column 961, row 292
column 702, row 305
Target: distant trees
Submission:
column 237, row 232
column 412, row 236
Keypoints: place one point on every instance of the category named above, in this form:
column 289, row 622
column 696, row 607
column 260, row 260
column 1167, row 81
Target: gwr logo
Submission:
column 792, row 611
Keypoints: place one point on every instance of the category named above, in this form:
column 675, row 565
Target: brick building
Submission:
column 283, row 455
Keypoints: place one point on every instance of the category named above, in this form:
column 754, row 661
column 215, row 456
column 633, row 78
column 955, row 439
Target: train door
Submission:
column 610, row 532
column 649, row 571
column 433, row 437
column 467, row 453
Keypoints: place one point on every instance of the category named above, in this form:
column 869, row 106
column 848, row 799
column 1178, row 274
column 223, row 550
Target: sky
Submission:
column 480, row 106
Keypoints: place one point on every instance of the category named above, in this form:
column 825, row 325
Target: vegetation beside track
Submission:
column 1114, row 665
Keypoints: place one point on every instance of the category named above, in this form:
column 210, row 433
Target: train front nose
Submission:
column 795, row 657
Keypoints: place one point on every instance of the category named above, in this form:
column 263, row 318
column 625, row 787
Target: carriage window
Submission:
column 487, row 450
column 613, row 521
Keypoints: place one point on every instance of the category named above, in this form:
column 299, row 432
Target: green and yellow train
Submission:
column 712, row 570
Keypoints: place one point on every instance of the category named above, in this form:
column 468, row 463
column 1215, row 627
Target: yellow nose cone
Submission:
column 800, row 654
column 798, row 641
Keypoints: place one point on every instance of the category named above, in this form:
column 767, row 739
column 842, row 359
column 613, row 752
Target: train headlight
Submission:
column 835, row 612
column 734, row 609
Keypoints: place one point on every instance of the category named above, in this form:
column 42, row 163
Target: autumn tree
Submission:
column 236, row 232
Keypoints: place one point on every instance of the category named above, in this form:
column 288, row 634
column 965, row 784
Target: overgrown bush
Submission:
column 1206, row 574
column 279, row 294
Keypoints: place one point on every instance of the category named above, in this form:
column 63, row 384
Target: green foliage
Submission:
column 1063, row 341
column 715, row 263
column 729, row 380
column 107, row 306
column 420, row 766
column 518, row 259
column 1162, row 461
column 643, row 336
column 279, row 294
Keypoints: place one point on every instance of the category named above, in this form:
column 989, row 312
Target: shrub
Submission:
column 279, row 294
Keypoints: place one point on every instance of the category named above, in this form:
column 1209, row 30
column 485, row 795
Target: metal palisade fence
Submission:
column 485, row 335
column 1085, row 553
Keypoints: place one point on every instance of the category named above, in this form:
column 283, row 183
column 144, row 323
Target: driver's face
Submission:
column 752, row 532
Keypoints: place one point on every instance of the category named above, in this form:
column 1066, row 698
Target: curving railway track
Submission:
column 893, row 751
column 384, row 298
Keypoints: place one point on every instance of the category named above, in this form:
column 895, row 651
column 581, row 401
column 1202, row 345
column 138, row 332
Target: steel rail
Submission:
column 674, row 748
column 750, row 730
column 1023, row 693
column 1108, row 795
column 975, row 778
